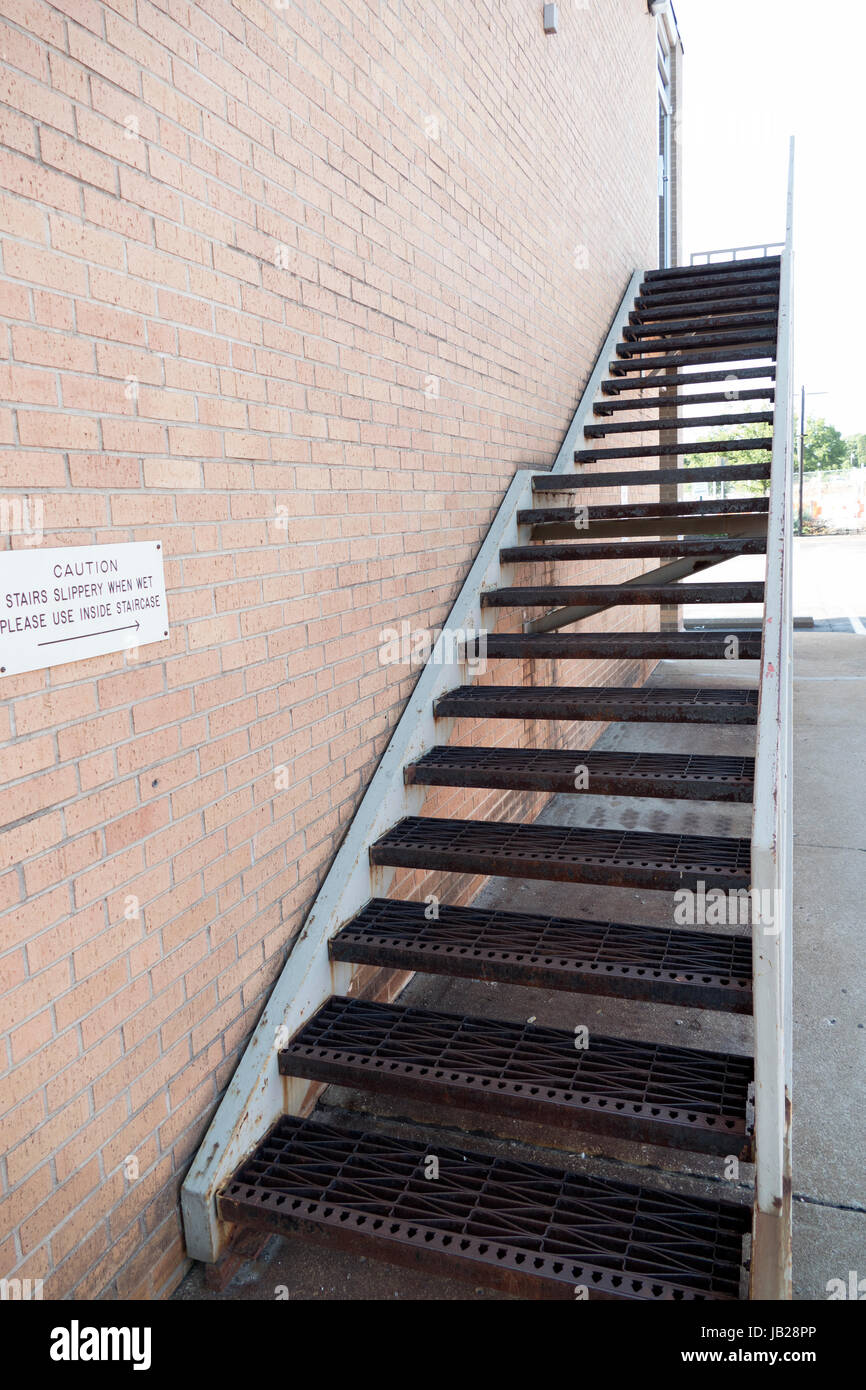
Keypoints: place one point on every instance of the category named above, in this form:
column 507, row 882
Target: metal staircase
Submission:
column 527, row 1228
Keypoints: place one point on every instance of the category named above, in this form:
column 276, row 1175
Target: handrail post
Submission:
column 772, row 924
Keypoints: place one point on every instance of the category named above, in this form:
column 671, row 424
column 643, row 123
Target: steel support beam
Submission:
column 664, row 574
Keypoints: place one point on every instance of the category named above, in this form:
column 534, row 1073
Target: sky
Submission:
column 754, row 73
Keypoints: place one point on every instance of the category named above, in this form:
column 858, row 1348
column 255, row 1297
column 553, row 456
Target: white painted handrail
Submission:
column 734, row 253
column 258, row 1095
column 772, row 837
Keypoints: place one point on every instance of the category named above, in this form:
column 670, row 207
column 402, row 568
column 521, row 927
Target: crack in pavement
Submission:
column 831, row 1206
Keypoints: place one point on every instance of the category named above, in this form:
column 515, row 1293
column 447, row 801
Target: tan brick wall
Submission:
column 237, row 240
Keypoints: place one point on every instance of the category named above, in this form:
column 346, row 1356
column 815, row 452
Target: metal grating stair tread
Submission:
column 633, row 550
column 540, row 595
column 656, row 308
column 691, row 356
column 742, row 266
column 726, row 472
column 683, row 422
column 649, row 1092
column 711, row 506
column 635, row 451
column 606, row 408
column 689, row 776
column 524, row 1228
column 684, row 646
column 665, row 965
column 733, row 340
column 713, row 286
column 731, row 292
column 619, row 383
column 658, row 704
column 571, row 854
column 703, row 331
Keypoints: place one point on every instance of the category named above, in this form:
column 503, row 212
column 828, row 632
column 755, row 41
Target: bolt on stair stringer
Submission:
column 257, row 1096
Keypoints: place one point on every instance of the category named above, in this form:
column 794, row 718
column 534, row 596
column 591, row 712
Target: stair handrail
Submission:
column 771, row 839
column 733, row 253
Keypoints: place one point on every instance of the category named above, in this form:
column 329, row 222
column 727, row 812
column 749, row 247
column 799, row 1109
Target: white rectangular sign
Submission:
column 77, row 601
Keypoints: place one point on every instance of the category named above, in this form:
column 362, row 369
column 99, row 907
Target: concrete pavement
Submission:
column 829, row 581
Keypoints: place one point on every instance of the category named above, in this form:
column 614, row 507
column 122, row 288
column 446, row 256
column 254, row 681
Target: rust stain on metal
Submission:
column 517, row 1226
column 664, row 1095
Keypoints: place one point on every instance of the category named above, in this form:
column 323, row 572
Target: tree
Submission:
column 823, row 448
column 730, row 458
column 856, row 446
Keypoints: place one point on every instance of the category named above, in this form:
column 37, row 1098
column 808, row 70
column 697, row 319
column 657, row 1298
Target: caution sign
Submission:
column 74, row 602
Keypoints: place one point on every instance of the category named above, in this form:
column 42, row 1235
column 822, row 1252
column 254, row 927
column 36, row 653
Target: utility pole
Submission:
column 802, row 449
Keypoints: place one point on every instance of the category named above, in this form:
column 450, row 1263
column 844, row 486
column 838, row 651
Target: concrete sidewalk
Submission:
column 829, row 1133
column 829, row 995
column 829, row 582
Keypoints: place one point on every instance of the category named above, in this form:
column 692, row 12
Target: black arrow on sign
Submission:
column 80, row 635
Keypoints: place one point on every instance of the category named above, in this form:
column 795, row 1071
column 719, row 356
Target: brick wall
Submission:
column 292, row 290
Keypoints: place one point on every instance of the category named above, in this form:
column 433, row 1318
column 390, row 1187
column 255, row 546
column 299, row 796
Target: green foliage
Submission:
column 823, row 449
column 856, row 446
column 741, row 456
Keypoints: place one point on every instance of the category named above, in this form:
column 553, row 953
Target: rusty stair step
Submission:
column 633, row 550
column 552, row 595
column 617, row 385
column 569, row 854
column 718, row 292
column 680, row 776
column 693, row 356
column 654, row 704
column 766, row 282
column 645, row 1092
column 741, row 265
column 728, row 339
column 650, row 477
column 635, row 646
column 668, row 965
column 637, row 451
column 648, row 308
column 622, row 511
column 727, row 524
column 606, row 408
column 709, row 287
column 520, row 1227
column 701, row 324
column 657, row 523
column 681, row 422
